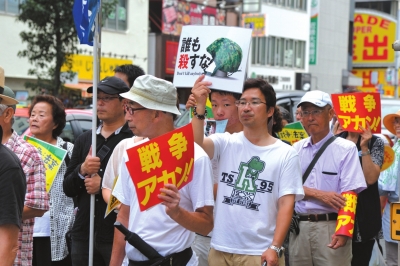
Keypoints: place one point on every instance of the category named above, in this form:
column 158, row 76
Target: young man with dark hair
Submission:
column 257, row 185
column 128, row 73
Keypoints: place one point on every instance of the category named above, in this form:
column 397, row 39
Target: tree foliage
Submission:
column 51, row 39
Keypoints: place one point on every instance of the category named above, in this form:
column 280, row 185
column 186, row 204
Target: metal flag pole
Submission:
column 96, row 78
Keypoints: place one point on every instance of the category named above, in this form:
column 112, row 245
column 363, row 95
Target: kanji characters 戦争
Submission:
column 369, row 102
column 347, row 103
column 149, row 156
column 178, row 145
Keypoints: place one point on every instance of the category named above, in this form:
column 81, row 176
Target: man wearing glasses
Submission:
column 258, row 180
column 167, row 227
column 85, row 172
column 336, row 171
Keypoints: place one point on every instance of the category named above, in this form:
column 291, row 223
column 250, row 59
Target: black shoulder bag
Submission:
column 294, row 225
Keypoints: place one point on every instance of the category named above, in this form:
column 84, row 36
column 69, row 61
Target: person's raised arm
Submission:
column 200, row 92
column 370, row 169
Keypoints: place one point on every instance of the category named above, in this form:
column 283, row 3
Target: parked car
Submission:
column 78, row 121
column 286, row 99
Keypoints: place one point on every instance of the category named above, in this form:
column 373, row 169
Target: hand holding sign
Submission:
column 171, row 198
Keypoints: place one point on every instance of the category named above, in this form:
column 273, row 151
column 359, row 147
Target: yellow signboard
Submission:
column 255, row 22
column 395, row 220
column 83, row 66
column 373, row 36
column 381, row 86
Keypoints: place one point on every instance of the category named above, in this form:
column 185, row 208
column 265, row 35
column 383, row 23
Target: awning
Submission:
column 350, row 80
column 80, row 86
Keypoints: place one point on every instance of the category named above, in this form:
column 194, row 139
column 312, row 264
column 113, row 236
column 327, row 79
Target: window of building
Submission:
column 383, row 6
column 117, row 19
column 10, row 6
column 292, row 4
column 279, row 52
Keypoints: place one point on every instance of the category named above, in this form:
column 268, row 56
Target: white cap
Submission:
column 153, row 93
column 318, row 98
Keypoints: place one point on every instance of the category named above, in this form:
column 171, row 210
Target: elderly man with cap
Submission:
column 85, row 172
column 167, row 227
column 36, row 198
column 12, row 196
column 388, row 185
column 337, row 170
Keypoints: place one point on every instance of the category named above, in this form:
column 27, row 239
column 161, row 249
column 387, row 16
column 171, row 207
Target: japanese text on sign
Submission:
column 356, row 109
column 167, row 159
column 346, row 215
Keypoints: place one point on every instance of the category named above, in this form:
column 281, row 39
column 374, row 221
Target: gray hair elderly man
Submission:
column 168, row 227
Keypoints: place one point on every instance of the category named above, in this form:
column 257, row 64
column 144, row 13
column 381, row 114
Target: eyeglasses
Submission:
column 252, row 103
column 132, row 110
column 107, row 99
column 313, row 113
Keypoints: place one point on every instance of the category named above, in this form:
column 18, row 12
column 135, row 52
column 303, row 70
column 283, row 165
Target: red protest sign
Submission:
column 162, row 160
column 356, row 109
column 346, row 215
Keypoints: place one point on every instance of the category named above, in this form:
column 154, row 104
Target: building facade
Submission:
column 124, row 39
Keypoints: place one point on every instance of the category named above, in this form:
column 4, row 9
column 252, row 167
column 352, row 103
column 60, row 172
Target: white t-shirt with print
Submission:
column 251, row 180
column 153, row 225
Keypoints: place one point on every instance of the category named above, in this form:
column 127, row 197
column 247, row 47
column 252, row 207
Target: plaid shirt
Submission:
column 36, row 196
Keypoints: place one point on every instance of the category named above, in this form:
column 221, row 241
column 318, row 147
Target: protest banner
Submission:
column 166, row 159
column 221, row 53
column 293, row 132
column 347, row 215
column 356, row 109
column 52, row 157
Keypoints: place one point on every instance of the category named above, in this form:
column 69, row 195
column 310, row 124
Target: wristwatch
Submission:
column 279, row 251
column 360, row 153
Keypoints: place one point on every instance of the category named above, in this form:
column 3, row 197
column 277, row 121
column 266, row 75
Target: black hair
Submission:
column 235, row 95
column 131, row 71
column 58, row 112
column 285, row 114
column 266, row 89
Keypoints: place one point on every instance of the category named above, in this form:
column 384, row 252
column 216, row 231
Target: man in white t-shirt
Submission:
column 259, row 180
column 168, row 227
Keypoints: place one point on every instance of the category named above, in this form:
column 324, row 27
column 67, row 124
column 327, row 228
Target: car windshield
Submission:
column 21, row 124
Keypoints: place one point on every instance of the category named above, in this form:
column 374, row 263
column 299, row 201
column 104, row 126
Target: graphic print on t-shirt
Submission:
column 247, row 184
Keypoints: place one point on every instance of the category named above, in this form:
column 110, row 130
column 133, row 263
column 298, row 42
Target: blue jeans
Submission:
column 80, row 253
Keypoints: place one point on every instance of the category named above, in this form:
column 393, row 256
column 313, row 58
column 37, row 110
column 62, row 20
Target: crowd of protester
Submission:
column 253, row 199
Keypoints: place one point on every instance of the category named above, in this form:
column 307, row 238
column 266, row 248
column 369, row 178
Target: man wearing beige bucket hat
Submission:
column 167, row 227
column 389, row 188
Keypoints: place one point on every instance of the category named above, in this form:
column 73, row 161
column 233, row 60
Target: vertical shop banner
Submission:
column 218, row 52
column 293, row 132
column 52, row 157
column 313, row 32
column 171, row 50
column 167, row 159
column 356, row 109
column 373, row 36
